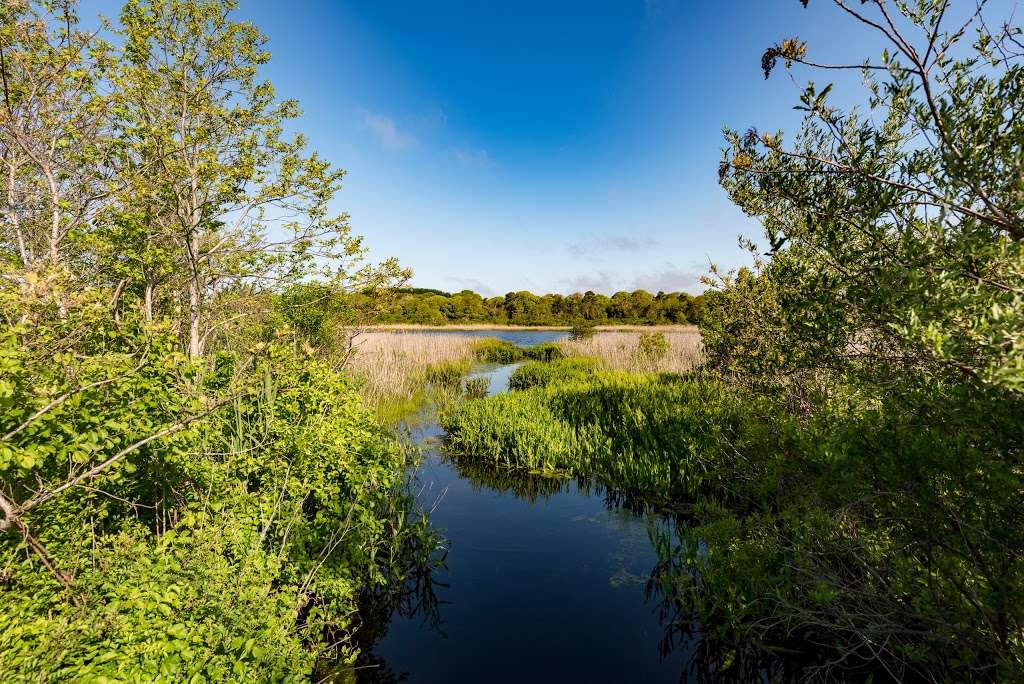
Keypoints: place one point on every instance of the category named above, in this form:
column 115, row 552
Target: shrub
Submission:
column 492, row 350
column 538, row 374
column 476, row 388
column 446, row 374
column 581, row 330
column 547, row 351
column 651, row 348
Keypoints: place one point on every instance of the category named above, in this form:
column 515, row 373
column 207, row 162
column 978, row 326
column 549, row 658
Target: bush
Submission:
column 538, row 374
column 492, row 350
column 547, row 351
column 581, row 330
column 476, row 388
column 651, row 348
column 447, row 374
column 197, row 554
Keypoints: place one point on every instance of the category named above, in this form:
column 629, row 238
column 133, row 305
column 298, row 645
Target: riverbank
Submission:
column 414, row 327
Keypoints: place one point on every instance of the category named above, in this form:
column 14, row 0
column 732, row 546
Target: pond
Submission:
column 545, row 580
column 524, row 338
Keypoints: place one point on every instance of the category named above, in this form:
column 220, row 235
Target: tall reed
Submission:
column 395, row 367
column 619, row 351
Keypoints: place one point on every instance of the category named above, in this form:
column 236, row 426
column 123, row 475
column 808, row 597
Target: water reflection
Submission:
column 545, row 579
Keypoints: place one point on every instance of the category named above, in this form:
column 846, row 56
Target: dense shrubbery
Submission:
column 190, row 489
column 538, row 374
column 173, row 518
column 493, row 350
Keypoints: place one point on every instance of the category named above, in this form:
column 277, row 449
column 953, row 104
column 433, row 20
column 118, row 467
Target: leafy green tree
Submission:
column 238, row 205
column 54, row 129
column 905, row 222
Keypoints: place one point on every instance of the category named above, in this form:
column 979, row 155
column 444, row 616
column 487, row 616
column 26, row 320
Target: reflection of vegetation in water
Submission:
column 770, row 556
column 409, row 589
column 524, row 485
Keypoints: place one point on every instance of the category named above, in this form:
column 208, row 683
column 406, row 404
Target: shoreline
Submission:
column 500, row 326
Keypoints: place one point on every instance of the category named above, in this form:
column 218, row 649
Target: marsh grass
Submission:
column 655, row 435
column 622, row 351
column 395, row 370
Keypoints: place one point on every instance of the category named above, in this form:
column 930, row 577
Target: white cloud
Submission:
column 387, row 133
column 601, row 282
column 473, row 284
column 670, row 278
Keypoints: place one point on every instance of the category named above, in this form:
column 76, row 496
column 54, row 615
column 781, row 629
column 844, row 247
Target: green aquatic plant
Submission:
column 546, row 351
column 537, row 374
column 476, row 388
column 493, row 350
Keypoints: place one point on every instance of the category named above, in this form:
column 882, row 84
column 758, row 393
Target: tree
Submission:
column 234, row 203
column 906, row 226
column 53, row 131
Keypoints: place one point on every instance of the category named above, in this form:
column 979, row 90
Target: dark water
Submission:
column 525, row 338
column 543, row 582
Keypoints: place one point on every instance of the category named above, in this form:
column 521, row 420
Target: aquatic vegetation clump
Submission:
column 659, row 435
column 539, row 374
column 493, row 350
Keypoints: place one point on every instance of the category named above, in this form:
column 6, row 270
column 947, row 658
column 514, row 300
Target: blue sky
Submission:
column 553, row 146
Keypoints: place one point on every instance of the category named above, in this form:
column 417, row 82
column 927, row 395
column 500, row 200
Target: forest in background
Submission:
column 436, row 307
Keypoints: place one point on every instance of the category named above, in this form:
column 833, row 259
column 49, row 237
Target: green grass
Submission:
column 662, row 436
column 540, row 374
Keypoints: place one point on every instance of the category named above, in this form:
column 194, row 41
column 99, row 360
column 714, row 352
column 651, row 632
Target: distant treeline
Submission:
column 435, row 307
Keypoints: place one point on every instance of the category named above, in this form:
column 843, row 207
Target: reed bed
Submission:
column 394, row 367
column 620, row 350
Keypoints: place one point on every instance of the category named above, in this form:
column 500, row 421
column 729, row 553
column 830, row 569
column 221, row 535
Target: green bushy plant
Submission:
column 476, row 388
column 546, row 351
column 492, row 350
column 582, row 330
column 651, row 348
column 537, row 374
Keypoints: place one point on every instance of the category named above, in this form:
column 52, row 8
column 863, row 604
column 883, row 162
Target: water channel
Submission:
column 544, row 579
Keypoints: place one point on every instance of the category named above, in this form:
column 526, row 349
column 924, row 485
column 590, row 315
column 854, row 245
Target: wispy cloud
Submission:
column 669, row 278
column 602, row 244
column 473, row 284
column 387, row 133
column 600, row 281
column 469, row 156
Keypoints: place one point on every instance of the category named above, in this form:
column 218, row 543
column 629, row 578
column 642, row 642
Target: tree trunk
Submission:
column 195, row 340
column 147, row 301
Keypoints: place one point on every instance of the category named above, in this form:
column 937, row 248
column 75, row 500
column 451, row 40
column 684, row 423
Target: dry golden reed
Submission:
column 391, row 365
column 618, row 350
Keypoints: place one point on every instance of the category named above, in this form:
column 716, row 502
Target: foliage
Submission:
column 447, row 374
column 177, row 547
column 434, row 307
column 652, row 348
column 493, row 350
column 190, row 489
column 887, row 318
column 546, row 351
column 538, row 374
column 655, row 435
column 581, row 330
column 476, row 388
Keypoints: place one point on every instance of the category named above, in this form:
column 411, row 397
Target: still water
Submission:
column 544, row 581
column 524, row 338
